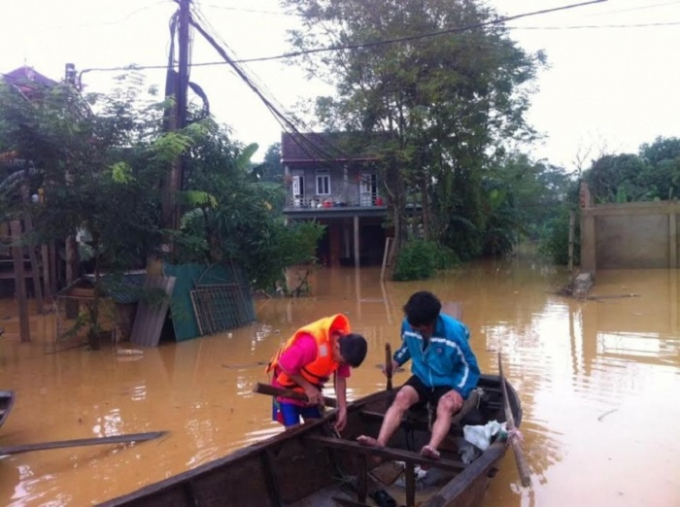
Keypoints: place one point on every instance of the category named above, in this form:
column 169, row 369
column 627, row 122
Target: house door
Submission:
column 368, row 189
column 298, row 190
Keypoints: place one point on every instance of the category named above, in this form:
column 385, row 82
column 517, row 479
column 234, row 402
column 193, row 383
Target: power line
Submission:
column 631, row 9
column 497, row 21
column 255, row 11
column 324, row 148
column 215, row 33
column 103, row 23
column 290, row 55
column 286, row 124
column 583, row 27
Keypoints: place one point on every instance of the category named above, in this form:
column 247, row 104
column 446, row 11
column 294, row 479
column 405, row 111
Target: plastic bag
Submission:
column 481, row 436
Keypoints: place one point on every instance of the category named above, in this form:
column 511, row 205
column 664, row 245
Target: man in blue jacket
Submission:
column 444, row 369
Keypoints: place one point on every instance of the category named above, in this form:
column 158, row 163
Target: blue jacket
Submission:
column 448, row 359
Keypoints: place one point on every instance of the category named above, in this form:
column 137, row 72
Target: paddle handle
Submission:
column 271, row 390
column 522, row 467
column 388, row 365
column 116, row 439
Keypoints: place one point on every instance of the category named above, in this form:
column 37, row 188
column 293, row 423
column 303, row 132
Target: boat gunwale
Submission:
column 459, row 483
column 234, row 457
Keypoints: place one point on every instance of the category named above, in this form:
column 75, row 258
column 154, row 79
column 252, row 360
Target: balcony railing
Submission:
column 330, row 201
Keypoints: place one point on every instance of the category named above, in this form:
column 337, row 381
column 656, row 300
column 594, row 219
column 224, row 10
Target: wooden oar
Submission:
column 289, row 393
column 522, row 466
column 117, row 439
column 388, row 365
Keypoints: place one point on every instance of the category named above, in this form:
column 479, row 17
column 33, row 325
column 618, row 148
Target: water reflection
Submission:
column 593, row 377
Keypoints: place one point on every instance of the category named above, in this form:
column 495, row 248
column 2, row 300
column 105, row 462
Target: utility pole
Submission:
column 183, row 72
column 178, row 120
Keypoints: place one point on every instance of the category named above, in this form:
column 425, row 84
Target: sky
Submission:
column 607, row 89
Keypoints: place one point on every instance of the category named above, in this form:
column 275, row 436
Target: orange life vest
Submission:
column 318, row 371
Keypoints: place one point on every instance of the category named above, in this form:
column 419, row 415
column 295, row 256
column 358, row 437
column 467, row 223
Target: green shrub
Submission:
column 419, row 260
column 445, row 257
column 554, row 239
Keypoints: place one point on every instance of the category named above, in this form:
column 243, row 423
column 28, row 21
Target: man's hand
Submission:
column 313, row 395
column 342, row 419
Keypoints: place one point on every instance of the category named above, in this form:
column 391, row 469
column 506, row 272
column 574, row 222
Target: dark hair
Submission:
column 422, row 308
column 353, row 349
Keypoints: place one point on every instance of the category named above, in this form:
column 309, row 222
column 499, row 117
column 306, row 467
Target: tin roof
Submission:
column 329, row 147
column 122, row 288
column 26, row 75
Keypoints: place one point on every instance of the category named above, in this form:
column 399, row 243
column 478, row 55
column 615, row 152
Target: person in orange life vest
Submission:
column 307, row 360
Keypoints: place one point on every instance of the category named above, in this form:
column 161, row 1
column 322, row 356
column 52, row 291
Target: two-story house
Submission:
column 332, row 178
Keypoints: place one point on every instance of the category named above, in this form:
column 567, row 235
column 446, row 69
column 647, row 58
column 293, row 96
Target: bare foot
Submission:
column 429, row 452
column 368, row 441
column 371, row 442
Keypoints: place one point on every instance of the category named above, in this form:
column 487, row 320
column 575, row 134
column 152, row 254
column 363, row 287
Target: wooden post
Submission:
column 588, row 246
column 335, row 240
column 356, row 241
column 572, row 224
column 48, row 268
column 386, row 254
column 410, row 477
column 20, row 280
column 388, row 365
column 46, row 272
column 55, row 269
column 35, row 268
column 71, row 248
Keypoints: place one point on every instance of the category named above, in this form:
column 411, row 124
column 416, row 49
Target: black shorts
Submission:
column 426, row 394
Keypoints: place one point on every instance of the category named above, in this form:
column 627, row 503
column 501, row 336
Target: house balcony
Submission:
column 331, row 206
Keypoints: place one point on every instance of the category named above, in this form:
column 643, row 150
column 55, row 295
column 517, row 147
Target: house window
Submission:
column 323, row 183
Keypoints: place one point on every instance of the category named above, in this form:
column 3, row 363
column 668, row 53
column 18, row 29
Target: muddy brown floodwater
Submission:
column 599, row 384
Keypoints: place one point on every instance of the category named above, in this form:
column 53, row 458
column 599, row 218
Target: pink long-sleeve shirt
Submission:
column 297, row 356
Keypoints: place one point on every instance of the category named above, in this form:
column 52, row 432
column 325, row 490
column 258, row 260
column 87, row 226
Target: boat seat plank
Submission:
column 343, row 502
column 386, row 452
column 409, row 422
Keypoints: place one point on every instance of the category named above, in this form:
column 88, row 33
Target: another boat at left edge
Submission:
column 6, row 404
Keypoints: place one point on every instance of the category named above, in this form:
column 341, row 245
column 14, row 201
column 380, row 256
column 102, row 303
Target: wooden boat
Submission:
column 311, row 466
column 6, row 404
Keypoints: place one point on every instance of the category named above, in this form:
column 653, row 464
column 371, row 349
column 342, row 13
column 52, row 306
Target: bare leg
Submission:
column 406, row 397
column 448, row 405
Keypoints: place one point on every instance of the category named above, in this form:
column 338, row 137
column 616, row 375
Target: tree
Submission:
column 661, row 175
column 615, row 178
column 99, row 159
column 237, row 220
column 271, row 169
column 446, row 102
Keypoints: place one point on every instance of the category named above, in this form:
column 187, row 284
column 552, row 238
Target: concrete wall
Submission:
column 630, row 235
